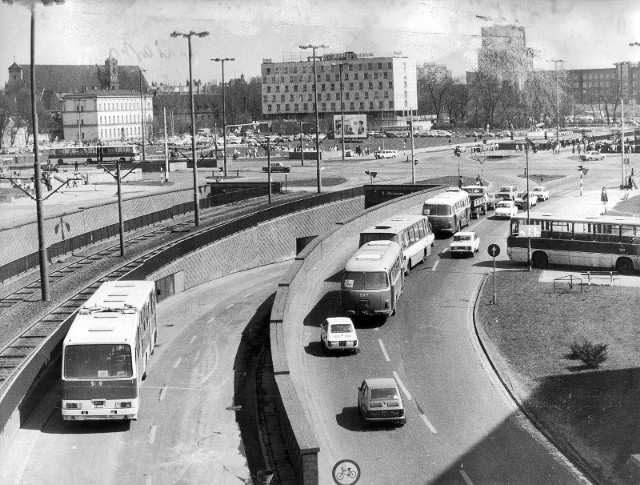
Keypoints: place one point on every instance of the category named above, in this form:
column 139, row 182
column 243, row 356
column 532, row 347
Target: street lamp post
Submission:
column 196, row 201
column 144, row 158
column 555, row 62
column 341, row 66
column 224, row 113
column 623, row 174
column 315, row 102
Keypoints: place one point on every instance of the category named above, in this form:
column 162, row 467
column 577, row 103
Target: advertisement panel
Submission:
column 355, row 126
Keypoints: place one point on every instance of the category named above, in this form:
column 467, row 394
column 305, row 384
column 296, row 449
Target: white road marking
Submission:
column 163, row 392
column 193, row 339
column 428, row 423
column 466, row 477
column 229, row 306
column 177, row 362
column 434, row 265
column 152, row 434
column 404, row 389
column 384, row 351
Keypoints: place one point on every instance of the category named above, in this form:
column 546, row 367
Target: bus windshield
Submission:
column 375, row 280
column 377, row 236
column 97, row 361
column 436, row 210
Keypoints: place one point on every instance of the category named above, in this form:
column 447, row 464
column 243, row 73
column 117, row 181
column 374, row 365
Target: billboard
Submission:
column 355, row 126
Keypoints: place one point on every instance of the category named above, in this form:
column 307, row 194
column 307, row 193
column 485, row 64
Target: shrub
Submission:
column 591, row 354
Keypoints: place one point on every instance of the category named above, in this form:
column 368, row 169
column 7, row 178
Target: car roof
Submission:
column 336, row 320
column 540, row 187
column 464, row 233
column 381, row 383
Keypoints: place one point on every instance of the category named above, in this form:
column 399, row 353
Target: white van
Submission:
column 386, row 154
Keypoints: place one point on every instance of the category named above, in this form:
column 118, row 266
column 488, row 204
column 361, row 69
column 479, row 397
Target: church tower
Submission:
column 112, row 73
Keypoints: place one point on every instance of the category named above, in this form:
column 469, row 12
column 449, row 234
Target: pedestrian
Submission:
column 604, row 198
column 460, row 182
column 161, row 176
column 478, row 180
column 76, row 165
column 573, row 149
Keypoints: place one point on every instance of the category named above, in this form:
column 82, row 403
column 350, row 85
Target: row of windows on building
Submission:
column 327, row 77
column 327, row 96
column 128, row 106
column 333, row 107
column 117, row 119
column 601, row 84
column 359, row 66
column 128, row 132
column 333, row 87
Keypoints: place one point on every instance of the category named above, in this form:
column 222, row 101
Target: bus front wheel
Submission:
column 540, row 260
column 624, row 266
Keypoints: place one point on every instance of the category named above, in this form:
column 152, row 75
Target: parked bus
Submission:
column 599, row 242
column 373, row 279
column 448, row 211
column 412, row 232
column 90, row 154
column 106, row 352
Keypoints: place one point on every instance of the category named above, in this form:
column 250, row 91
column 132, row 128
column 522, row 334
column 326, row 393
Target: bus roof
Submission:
column 602, row 219
column 374, row 256
column 395, row 224
column 448, row 197
column 120, row 295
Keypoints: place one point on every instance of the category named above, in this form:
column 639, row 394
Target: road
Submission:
column 187, row 430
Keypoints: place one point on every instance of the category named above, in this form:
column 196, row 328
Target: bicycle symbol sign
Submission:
column 346, row 472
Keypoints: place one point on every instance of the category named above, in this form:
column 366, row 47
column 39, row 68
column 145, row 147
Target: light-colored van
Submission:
column 385, row 154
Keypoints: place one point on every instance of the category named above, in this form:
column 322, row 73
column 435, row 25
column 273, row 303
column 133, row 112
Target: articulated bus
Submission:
column 90, row 154
column 373, row 279
column 106, row 352
column 599, row 241
column 448, row 211
column 412, row 232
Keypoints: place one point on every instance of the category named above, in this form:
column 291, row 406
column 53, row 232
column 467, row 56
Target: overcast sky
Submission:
column 584, row 33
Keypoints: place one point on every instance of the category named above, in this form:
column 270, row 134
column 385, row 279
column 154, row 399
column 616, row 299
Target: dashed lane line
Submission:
column 177, row 363
column 384, row 351
column 434, row 265
column 404, row 389
column 465, row 477
column 152, row 434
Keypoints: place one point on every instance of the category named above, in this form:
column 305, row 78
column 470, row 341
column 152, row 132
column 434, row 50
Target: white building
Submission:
column 381, row 87
column 106, row 116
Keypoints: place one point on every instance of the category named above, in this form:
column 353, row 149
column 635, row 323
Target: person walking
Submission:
column 604, row 198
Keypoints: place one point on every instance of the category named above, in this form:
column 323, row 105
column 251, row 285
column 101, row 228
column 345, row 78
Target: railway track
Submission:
column 19, row 348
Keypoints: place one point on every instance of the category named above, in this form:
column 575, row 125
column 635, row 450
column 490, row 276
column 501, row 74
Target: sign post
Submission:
column 494, row 250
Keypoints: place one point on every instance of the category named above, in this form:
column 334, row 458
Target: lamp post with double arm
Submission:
column 196, row 201
column 315, row 102
column 555, row 62
column 224, row 112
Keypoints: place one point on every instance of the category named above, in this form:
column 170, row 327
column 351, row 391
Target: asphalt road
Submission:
column 187, row 430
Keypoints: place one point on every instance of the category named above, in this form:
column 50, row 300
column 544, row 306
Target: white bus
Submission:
column 592, row 242
column 83, row 155
column 106, row 352
column 448, row 211
column 373, row 279
column 412, row 232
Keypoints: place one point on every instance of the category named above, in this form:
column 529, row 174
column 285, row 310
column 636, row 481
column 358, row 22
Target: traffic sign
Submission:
column 494, row 250
column 529, row 231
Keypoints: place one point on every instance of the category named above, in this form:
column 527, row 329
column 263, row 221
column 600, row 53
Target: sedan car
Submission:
column 339, row 334
column 541, row 193
column 522, row 199
column 464, row 242
column 592, row 155
column 379, row 401
column 506, row 209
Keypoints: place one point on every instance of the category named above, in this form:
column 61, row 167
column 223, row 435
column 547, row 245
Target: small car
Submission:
column 464, row 242
column 541, row 193
column 492, row 200
column 379, row 401
column 385, row 154
column 339, row 334
column 506, row 209
column 507, row 192
column 521, row 200
column 592, row 155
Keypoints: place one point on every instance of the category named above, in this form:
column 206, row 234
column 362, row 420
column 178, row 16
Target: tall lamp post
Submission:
column 196, row 201
column 555, row 62
column 315, row 102
column 224, row 112
column 142, row 100
column 623, row 174
column 341, row 66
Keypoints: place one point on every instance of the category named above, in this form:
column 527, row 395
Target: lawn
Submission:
column 528, row 335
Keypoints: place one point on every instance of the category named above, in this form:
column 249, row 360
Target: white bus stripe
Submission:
column 465, row 477
column 404, row 389
column 177, row 362
column 384, row 351
column 152, row 434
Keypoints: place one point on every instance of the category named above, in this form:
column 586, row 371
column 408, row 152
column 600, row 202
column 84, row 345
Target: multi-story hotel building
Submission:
column 105, row 116
column 594, row 86
column 380, row 87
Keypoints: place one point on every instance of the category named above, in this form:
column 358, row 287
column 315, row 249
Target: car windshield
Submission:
column 386, row 393
column 340, row 328
column 505, row 189
column 504, row 205
column 462, row 237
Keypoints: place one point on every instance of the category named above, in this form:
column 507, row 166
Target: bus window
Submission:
column 627, row 233
column 353, row 281
column 376, row 280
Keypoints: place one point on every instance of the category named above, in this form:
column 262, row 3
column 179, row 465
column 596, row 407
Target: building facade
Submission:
column 438, row 72
column 106, row 116
column 381, row 87
column 594, row 86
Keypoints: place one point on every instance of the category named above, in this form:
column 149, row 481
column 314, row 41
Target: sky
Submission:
column 583, row 33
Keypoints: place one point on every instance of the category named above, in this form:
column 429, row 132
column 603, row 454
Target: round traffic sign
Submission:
column 493, row 250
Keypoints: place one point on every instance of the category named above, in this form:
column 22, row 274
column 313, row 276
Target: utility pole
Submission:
column 224, row 112
column 555, row 61
column 301, row 145
column 142, row 100
column 413, row 165
column 166, row 148
column 315, row 102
